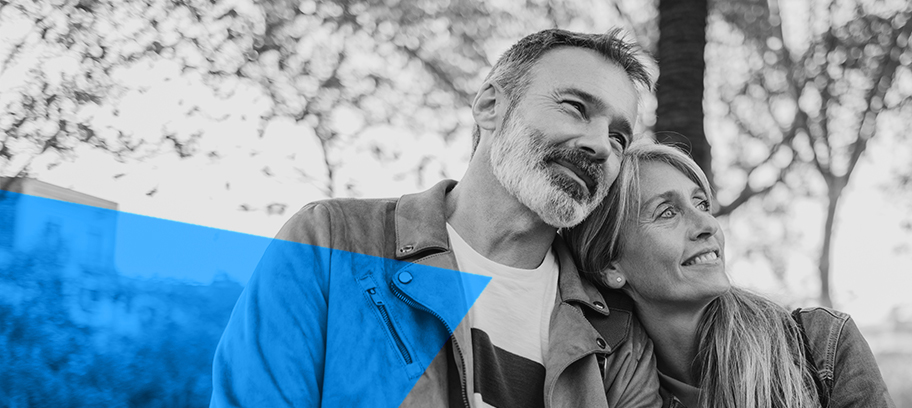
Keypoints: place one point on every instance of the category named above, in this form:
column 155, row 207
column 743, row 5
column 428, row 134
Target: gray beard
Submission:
column 519, row 162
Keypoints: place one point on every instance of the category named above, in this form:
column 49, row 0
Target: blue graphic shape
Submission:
column 370, row 325
column 313, row 324
column 100, row 240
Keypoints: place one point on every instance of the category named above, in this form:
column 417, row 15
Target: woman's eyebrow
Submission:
column 668, row 195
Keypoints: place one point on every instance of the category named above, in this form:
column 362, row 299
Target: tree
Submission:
column 361, row 79
column 806, row 105
column 679, row 90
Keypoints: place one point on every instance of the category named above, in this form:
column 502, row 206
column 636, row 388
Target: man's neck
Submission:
column 496, row 224
column 673, row 330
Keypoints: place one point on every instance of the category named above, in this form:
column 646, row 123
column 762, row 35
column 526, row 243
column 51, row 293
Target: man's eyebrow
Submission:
column 587, row 97
column 623, row 126
column 619, row 122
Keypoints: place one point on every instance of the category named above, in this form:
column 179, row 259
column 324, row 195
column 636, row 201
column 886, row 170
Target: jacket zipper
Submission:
column 403, row 297
column 389, row 325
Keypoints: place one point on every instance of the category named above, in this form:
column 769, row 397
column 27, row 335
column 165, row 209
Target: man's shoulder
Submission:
column 340, row 223
column 349, row 206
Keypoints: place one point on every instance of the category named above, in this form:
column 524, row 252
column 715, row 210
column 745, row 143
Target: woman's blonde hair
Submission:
column 750, row 353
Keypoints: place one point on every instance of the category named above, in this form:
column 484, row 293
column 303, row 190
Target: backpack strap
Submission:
column 823, row 393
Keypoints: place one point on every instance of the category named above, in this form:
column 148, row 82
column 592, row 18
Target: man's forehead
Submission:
column 589, row 71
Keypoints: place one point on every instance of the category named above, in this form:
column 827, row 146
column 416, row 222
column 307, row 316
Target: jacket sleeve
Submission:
column 857, row 381
column 272, row 351
column 637, row 384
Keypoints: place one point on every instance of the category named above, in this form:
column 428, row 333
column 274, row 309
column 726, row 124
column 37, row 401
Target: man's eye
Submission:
column 579, row 107
column 704, row 205
column 619, row 138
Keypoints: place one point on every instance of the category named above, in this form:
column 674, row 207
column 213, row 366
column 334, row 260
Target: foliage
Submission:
column 351, row 73
column 805, row 103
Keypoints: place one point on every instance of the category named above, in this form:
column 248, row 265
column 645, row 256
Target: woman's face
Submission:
column 672, row 252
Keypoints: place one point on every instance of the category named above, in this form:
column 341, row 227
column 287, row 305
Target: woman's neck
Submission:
column 673, row 330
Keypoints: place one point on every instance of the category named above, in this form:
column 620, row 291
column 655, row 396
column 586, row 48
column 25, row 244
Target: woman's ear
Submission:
column 613, row 277
column 484, row 108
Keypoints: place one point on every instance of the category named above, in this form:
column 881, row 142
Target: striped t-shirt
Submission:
column 509, row 325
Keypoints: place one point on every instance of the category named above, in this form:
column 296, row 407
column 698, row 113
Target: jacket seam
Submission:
column 836, row 329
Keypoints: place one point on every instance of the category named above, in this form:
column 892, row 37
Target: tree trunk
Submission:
column 679, row 89
column 834, row 193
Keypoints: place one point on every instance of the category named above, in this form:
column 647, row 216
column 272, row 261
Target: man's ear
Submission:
column 613, row 277
column 484, row 108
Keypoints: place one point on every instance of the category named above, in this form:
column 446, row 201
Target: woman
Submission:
column 655, row 239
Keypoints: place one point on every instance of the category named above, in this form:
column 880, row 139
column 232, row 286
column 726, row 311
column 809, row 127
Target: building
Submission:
column 80, row 228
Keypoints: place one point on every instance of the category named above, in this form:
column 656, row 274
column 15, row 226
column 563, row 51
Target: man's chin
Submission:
column 573, row 189
column 565, row 214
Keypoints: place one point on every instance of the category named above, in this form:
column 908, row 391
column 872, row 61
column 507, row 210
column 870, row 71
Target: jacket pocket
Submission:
column 380, row 306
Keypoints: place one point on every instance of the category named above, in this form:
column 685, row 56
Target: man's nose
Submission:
column 596, row 142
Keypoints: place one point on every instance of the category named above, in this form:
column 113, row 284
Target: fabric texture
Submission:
column 308, row 331
column 844, row 366
column 509, row 324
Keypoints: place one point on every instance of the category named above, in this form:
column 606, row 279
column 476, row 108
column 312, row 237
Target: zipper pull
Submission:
column 373, row 294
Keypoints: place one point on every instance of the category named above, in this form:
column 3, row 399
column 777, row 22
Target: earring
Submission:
column 619, row 279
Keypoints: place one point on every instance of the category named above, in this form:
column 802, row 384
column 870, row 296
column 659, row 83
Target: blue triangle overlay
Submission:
column 312, row 324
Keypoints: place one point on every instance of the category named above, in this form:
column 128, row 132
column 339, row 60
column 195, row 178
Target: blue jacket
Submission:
column 365, row 314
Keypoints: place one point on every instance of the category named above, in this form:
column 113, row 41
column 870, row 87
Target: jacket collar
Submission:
column 421, row 221
column 421, row 226
column 572, row 287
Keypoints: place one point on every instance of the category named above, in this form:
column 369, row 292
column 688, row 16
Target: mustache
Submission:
column 593, row 168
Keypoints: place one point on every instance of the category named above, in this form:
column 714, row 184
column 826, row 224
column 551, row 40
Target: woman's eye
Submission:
column 668, row 213
column 703, row 205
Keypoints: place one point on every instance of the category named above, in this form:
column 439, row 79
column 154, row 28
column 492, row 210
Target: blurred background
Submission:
column 180, row 134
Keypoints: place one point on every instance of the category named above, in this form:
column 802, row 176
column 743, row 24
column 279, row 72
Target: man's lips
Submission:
column 579, row 173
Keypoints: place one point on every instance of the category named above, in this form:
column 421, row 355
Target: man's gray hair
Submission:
column 511, row 71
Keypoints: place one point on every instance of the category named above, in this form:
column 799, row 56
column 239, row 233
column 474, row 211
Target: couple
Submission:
column 352, row 305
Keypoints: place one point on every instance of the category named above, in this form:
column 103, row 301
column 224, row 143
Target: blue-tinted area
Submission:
column 318, row 325
column 89, row 314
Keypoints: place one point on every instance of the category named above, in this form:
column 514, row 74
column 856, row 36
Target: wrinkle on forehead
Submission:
column 573, row 67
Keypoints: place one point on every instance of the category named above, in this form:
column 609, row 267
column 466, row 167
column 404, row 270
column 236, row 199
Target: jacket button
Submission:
column 599, row 305
column 601, row 343
column 405, row 277
column 407, row 248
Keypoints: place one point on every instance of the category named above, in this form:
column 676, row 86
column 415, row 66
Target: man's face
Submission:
column 558, row 149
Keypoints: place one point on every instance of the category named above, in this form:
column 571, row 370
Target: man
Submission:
column 365, row 312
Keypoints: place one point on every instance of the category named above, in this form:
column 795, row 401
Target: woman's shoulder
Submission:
column 819, row 317
column 825, row 328
column 821, row 313
column 844, row 362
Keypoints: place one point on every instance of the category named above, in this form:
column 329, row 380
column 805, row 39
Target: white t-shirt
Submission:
column 509, row 324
